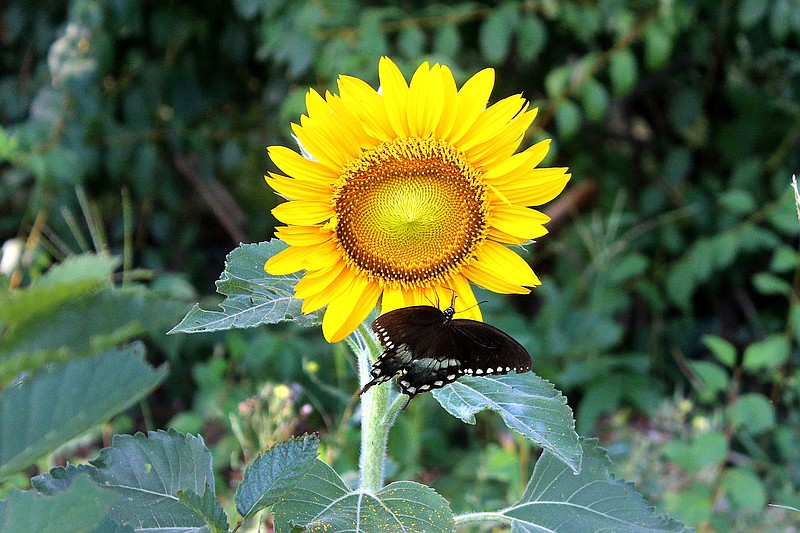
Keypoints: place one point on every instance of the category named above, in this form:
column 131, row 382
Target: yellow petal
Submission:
column 303, row 235
column 519, row 221
column 351, row 126
column 509, row 266
column 392, row 298
column 425, row 100
column 491, row 122
column 349, row 309
column 471, row 101
column 501, row 236
column 317, row 142
column 395, row 96
column 517, row 165
column 449, row 94
column 303, row 212
column 539, row 186
column 366, row 101
column 296, row 258
column 295, row 189
column 294, row 165
column 321, row 299
column 318, row 280
column 504, row 143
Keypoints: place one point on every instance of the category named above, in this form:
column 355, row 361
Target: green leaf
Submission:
column 531, row 37
column 693, row 505
column 65, row 400
column 447, row 40
column 770, row 284
column 750, row 12
column 598, row 399
column 528, row 404
column 623, row 72
column 80, row 509
column 780, row 19
column 657, row 46
column 594, row 98
column 744, row 488
column 724, row 351
column 709, row 448
column 568, row 119
column 207, row 506
column 557, row 500
column 321, row 502
column 713, row 379
column 629, row 266
column 148, row 471
column 557, row 80
column 770, row 353
column 85, row 325
column 253, row 296
column 62, row 282
column 738, row 201
column 411, row 40
column 495, row 33
column 274, row 473
column 785, row 259
column 681, row 284
column 753, row 413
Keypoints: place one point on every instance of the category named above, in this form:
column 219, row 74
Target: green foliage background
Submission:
column 669, row 313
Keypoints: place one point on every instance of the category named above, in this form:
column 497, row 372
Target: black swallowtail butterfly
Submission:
column 428, row 348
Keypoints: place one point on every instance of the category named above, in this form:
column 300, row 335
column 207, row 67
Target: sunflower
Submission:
column 407, row 194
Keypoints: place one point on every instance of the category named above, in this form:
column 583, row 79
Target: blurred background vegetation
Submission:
column 669, row 313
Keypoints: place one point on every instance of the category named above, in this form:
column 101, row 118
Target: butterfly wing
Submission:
column 486, row 349
column 428, row 350
column 419, row 346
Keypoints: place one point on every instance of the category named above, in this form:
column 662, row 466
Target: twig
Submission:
column 216, row 196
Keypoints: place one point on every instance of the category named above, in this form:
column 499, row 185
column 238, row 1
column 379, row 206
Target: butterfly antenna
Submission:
column 453, row 299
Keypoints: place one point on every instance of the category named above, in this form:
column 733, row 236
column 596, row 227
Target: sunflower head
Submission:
column 407, row 194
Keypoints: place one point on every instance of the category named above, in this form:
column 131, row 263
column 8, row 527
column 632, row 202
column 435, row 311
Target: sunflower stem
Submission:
column 375, row 423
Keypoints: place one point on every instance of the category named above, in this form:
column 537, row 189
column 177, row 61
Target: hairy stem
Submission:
column 375, row 423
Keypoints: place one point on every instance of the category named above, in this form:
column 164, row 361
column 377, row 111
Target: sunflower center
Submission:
column 410, row 210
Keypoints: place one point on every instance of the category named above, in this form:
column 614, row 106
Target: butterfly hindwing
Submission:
column 491, row 350
column 427, row 349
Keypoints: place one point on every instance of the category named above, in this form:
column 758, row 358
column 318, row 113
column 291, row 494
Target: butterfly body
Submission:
column 427, row 348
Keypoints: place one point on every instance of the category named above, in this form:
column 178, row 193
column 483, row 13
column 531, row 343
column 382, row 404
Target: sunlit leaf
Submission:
column 148, row 471
column 207, row 506
column 274, row 473
column 557, row 500
column 322, row 503
column 81, row 508
column 253, row 297
column 63, row 401
column 528, row 404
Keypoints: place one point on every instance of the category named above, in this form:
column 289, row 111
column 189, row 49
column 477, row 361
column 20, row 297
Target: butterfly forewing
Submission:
column 427, row 349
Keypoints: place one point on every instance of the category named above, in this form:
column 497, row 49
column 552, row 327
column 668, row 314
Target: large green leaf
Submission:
column 321, row 502
column 148, row 472
column 80, row 509
column 207, row 506
column 64, row 281
column 253, row 296
column 85, row 324
column 527, row 403
column 274, row 473
column 559, row 501
column 48, row 408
